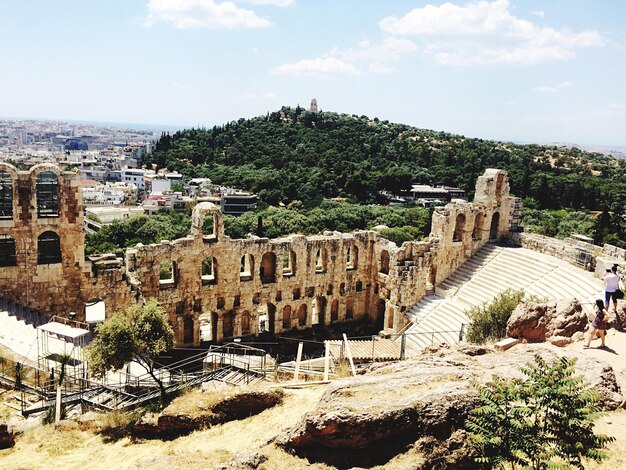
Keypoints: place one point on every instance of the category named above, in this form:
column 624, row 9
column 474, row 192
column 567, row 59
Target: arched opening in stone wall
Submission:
column 495, row 223
column 286, row 317
column 214, row 322
column 289, row 263
column 6, row 195
column 318, row 311
column 352, row 254
column 320, row 261
column 478, row 226
column 459, row 228
column 206, row 330
column 384, row 262
column 359, row 286
column 431, row 279
column 302, row 314
column 349, row 308
column 208, row 226
column 271, row 318
column 228, row 324
column 342, row 288
column 47, row 189
column 246, row 268
column 48, row 248
column 167, row 269
column 8, row 255
column 380, row 314
column 334, row 310
column 95, row 311
column 188, row 330
column 209, row 273
column 267, row 270
column 245, row 324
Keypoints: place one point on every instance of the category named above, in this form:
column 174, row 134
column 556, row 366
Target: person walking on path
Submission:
column 598, row 325
column 612, row 285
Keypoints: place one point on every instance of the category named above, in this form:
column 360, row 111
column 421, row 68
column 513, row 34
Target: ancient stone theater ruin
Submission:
column 239, row 286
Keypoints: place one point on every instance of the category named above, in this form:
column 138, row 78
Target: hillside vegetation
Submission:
column 295, row 155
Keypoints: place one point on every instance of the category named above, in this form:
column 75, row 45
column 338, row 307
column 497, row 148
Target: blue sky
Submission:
column 527, row 71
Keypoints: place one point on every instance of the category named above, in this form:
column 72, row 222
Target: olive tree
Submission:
column 140, row 333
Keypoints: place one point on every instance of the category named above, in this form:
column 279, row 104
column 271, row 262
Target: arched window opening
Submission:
column 349, row 308
column 384, row 262
column 289, row 263
column 166, row 272
column 206, row 327
column 7, row 251
column 47, row 194
column 320, row 261
column 334, row 310
column 352, row 257
column 459, row 228
column 495, row 222
column 48, row 248
column 188, row 327
column 318, row 311
column 302, row 314
column 6, row 196
column 267, row 270
column 208, row 271
column 245, row 324
column 359, row 286
column 287, row 317
column 247, row 265
column 478, row 226
column 228, row 325
column 208, row 226
column 95, row 311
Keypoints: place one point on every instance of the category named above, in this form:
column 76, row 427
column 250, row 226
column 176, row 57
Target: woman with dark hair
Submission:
column 598, row 325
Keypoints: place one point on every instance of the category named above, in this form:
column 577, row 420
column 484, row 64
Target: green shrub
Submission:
column 544, row 421
column 488, row 321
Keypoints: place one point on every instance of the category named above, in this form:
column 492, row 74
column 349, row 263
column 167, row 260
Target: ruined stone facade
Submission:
column 240, row 285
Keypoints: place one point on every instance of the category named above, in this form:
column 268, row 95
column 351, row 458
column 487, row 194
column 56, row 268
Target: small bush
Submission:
column 543, row 421
column 488, row 321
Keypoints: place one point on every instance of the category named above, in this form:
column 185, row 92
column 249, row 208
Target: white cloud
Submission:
column 486, row 33
column 193, row 14
column 350, row 61
column 323, row 67
column 552, row 89
column 276, row 3
column 538, row 13
column 617, row 106
column 256, row 97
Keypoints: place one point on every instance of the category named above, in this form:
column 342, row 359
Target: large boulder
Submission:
column 368, row 419
column 538, row 322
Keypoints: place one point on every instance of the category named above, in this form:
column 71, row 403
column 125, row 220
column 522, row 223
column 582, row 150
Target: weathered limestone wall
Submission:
column 293, row 282
column 458, row 231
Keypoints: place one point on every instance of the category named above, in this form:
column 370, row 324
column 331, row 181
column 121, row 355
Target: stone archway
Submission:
column 334, row 310
column 320, row 310
column 380, row 314
column 286, row 317
column 188, row 325
column 495, row 223
column 302, row 315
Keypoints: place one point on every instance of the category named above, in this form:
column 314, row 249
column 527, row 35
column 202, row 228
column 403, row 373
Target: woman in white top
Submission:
column 612, row 285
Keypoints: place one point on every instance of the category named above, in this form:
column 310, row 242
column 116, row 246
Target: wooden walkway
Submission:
column 376, row 349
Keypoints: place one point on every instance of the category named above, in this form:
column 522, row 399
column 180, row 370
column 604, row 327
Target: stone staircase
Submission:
column 18, row 328
column 441, row 317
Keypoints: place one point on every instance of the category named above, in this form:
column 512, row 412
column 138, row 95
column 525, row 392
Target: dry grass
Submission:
column 613, row 424
column 74, row 448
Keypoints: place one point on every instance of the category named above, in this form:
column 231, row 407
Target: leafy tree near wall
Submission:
column 542, row 421
column 140, row 333
column 488, row 321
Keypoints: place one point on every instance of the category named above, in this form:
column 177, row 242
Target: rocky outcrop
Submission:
column 367, row 419
column 538, row 322
column 171, row 424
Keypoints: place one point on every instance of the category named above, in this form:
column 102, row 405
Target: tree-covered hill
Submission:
column 293, row 154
